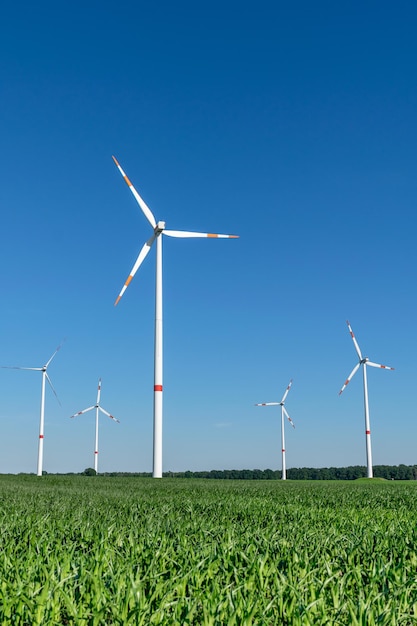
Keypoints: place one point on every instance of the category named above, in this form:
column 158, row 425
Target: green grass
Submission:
column 103, row 551
column 369, row 480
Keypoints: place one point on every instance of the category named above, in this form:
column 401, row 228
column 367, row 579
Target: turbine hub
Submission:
column 159, row 228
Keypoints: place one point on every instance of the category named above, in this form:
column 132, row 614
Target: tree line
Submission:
column 353, row 472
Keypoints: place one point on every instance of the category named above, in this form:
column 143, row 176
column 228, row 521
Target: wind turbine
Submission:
column 42, row 415
column 98, row 408
column 283, row 412
column 158, row 230
column 364, row 361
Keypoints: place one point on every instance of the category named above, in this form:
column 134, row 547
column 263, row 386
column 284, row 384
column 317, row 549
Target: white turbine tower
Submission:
column 158, row 230
column 42, row 413
column 98, row 408
column 364, row 361
column 283, row 412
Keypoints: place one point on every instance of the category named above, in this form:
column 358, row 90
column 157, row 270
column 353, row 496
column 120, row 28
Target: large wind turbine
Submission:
column 98, row 408
column 364, row 361
column 158, row 230
column 283, row 412
column 42, row 415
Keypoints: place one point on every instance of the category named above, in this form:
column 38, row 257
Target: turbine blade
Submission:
column 57, row 350
column 13, row 367
column 52, row 387
column 187, row 233
column 98, row 392
column 146, row 210
column 358, row 350
column 139, row 260
column 286, row 391
column 109, row 415
column 81, row 412
column 288, row 417
column 349, row 378
column 268, row 404
column 384, row 367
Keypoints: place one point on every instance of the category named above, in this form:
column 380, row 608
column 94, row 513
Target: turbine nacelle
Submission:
column 159, row 228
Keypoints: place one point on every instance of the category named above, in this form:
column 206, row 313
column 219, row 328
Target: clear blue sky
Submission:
column 290, row 124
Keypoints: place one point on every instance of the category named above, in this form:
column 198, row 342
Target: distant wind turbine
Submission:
column 42, row 414
column 364, row 361
column 158, row 229
column 283, row 412
column 98, row 408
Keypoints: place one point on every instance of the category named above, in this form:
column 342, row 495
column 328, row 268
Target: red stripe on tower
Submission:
column 157, row 388
column 40, row 436
column 367, row 432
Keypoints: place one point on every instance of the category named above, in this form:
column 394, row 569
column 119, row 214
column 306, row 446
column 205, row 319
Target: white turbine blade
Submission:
column 146, row 210
column 268, row 404
column 139, row 261
column 109, row 415
column 288, row 417
column 54, row 354
column 98, row 391
column 349, row 378
column 186, row 233
column 358, row 350
column 52, row 387
column 13, row 367
column 286, row 391
column 81, row 412
column 384, row 367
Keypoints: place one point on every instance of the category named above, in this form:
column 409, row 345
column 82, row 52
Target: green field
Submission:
column 101, row 551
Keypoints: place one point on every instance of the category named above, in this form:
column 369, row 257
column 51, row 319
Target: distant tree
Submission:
column 89, row 472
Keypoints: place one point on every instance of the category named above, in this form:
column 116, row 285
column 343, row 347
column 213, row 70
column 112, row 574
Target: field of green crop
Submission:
column 102, row 551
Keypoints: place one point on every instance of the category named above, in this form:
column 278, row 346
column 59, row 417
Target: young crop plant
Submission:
column 132, row 551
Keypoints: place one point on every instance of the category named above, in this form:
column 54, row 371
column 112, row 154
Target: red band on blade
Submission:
column 157, row 388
